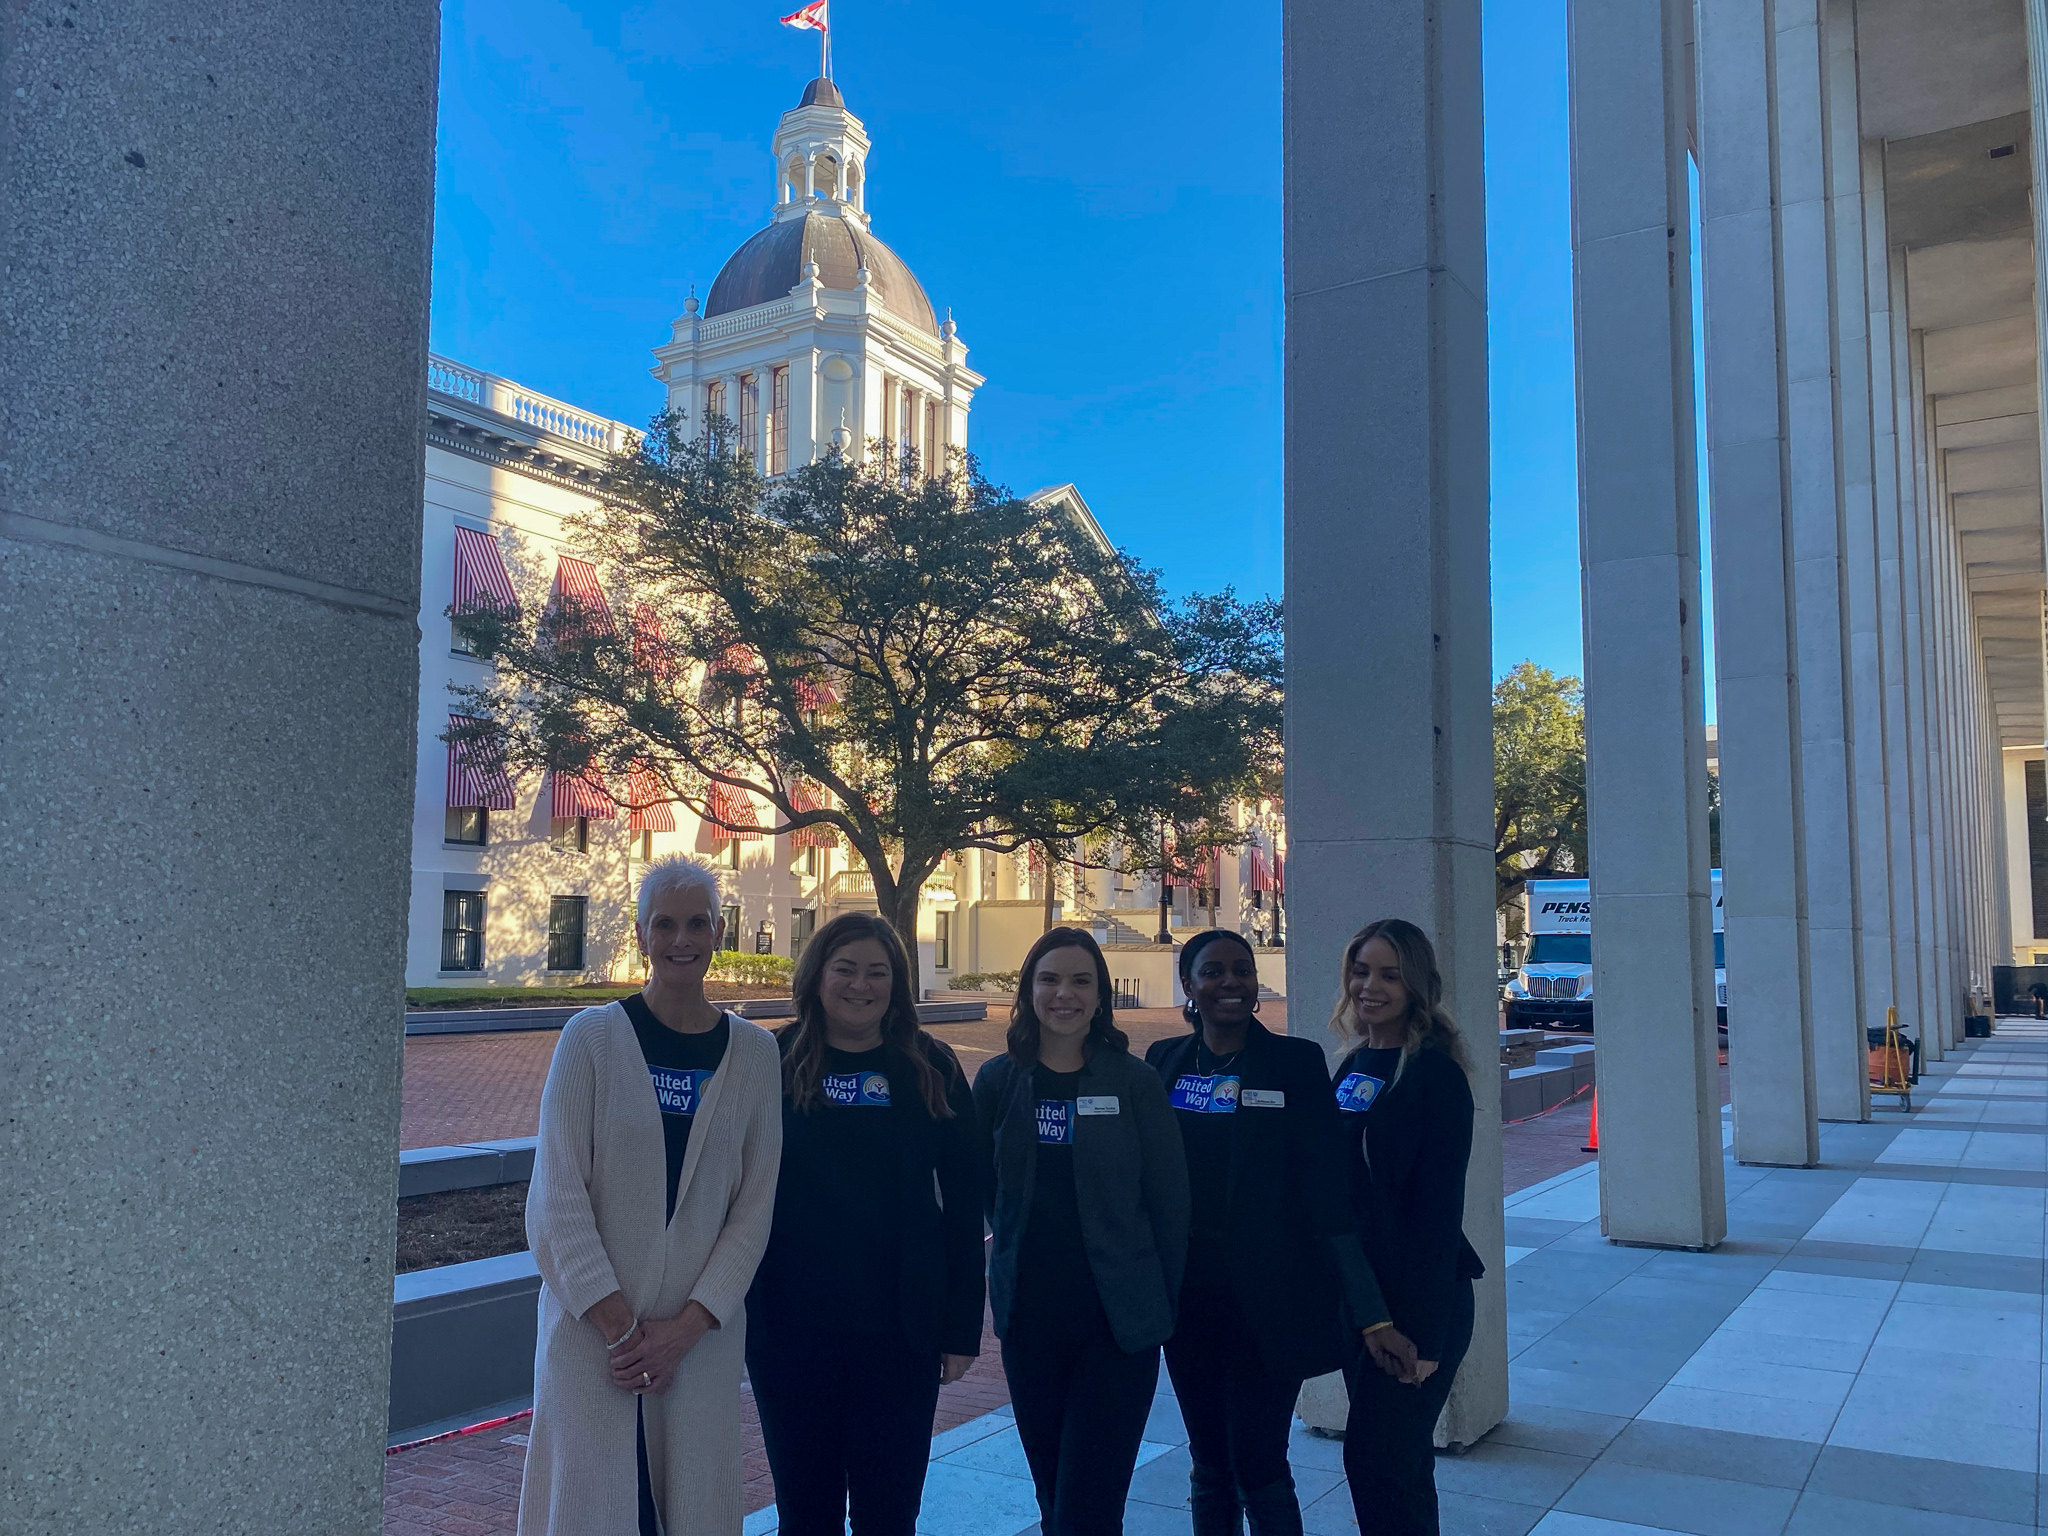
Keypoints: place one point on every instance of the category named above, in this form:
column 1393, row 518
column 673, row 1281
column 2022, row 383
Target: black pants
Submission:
column 1237, row 1414
column 1081, row 1405
column 1390, row 1437
column 848, row 1430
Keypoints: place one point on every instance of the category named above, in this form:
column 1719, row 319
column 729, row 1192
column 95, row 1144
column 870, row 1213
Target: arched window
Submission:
column 826, row 180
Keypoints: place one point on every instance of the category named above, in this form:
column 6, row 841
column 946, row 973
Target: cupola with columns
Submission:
column 815, row 334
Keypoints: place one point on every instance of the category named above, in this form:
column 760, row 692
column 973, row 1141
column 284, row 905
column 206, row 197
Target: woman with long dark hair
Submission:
column 1278, row 1288
column 1088, row 1198
column 870, row 1293
column 1405, row 1094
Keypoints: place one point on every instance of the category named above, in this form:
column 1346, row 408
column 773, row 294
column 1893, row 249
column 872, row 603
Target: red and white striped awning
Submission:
column 476, row 773
column 652, row 652
column 481, row 580
column 648, row 808
column 811, row 695
column 1262, row 869
column 735, row 808
column 580, row 600
column 572, row 795
column 803, row 797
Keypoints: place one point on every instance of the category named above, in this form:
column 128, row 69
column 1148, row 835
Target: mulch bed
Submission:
column 458, row 1225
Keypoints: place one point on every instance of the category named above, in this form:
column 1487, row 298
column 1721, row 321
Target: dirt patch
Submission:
column 458, row 1225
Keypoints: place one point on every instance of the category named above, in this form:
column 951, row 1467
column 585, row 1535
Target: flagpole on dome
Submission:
column 814, row 17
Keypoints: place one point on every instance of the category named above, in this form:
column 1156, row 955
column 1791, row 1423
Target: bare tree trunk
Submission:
column 901, row 915
column 1051, row 885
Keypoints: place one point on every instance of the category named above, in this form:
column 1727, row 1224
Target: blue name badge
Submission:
column 676, row 1091
column 1056, row 1121
column 858, row 1089
column 1356, row 1093
column 1199, row 1095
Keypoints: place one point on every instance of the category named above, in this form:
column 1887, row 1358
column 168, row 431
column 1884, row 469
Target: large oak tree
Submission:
column 922, row 663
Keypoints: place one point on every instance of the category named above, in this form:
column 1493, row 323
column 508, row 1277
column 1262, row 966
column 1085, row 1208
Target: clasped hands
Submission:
column 643, row 1354
column 1394, row 1352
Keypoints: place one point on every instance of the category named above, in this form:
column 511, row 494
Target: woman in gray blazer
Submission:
column 1088, row 1199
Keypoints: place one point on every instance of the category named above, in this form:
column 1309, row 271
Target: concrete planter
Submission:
column 462, row 1344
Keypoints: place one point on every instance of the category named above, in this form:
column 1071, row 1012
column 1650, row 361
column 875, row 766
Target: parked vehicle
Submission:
column 1554, row 987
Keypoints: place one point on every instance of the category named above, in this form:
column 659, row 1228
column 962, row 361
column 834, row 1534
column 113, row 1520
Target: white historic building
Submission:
column 814, row 335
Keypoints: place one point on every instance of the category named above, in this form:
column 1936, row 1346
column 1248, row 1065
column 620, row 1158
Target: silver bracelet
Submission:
column 615, row 1343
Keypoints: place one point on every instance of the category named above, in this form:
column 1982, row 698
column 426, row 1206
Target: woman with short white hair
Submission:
column 653, row 1190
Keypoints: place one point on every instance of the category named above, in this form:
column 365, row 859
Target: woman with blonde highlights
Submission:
column 1404, row 1091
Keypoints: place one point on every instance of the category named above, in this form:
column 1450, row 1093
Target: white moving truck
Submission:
column 1554, row 987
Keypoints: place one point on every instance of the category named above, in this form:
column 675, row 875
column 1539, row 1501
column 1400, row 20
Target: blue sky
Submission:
column 1093, row 189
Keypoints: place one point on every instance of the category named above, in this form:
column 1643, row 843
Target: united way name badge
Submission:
column 1213, row 1095
column 1358, row 1090
column 1056, row 1121
column 677, row 1091
column 859, row 1089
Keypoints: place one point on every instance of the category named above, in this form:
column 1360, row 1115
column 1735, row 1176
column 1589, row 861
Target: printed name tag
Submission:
column 862, row 1089
column 1264, row 1098
column 1056, row 1121
column 1098, row 1104
column 1200, row 1095
column 678, row 1092
column 1358, row 1090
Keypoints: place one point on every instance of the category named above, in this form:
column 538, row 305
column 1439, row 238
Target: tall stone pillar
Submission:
column 1763, row 879
column 1653, row 970
column 1892, row 493
column 1390, row 811
column 1927, row 725
column 1818, row 536
column 1841, row 1057
column 213, row 303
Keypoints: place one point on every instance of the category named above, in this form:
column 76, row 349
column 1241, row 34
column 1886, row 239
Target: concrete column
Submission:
column 1390, row 813
column 1842, row 1060
column 1931, row 833
column 218, row 226
column 1887, row 358
column 1770, row 1023
column 2019, row 884
column 1806, row 231
column 1660, row 1119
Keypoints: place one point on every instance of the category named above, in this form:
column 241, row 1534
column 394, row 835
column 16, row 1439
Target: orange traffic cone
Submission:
column 1593, row 1126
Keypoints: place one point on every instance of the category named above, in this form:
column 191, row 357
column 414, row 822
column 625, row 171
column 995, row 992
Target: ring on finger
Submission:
column 646, row 1380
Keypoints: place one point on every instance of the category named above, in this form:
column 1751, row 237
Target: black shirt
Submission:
column 1054, row 1282
column 681, row 1066
column 837, row 1211
column 1205, row 1102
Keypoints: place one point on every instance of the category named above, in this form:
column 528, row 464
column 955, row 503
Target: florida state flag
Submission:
column 811, row 18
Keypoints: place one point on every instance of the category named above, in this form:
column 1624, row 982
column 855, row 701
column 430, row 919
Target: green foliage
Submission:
column 512, row 996
column 1002, row 677
column 1539, row 778
column 986, row 981
column 757, row 970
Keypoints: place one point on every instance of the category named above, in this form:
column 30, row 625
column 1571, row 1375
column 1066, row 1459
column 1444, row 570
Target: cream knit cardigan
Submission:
column 594, row 1220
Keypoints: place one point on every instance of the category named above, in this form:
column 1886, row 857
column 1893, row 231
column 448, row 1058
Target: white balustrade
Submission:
column 447, row 377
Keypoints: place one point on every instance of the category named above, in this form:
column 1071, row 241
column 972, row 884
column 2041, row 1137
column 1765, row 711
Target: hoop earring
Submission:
column 1255, row 1005
column 1192, row 1014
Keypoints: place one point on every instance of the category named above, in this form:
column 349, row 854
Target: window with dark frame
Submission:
column 468, row 824
column 732, row 852
column 571, row 834
column 565, row 932
column 778, row 421
column 462, row 930
column 942, row 941
column 803, row 922
column 731, row 913
column 810, row 858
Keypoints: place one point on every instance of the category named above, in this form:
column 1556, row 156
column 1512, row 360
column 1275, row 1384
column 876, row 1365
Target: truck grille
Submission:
column 1554, row 986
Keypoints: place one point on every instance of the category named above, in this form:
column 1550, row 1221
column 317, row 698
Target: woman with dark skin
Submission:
column 1405, row 1095
column 1278, row 1288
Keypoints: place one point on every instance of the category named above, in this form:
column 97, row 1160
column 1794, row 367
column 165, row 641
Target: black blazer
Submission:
column 939, row 1214
column 1301, row 1279
column 1130, row 1188
column 1408, row 1187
